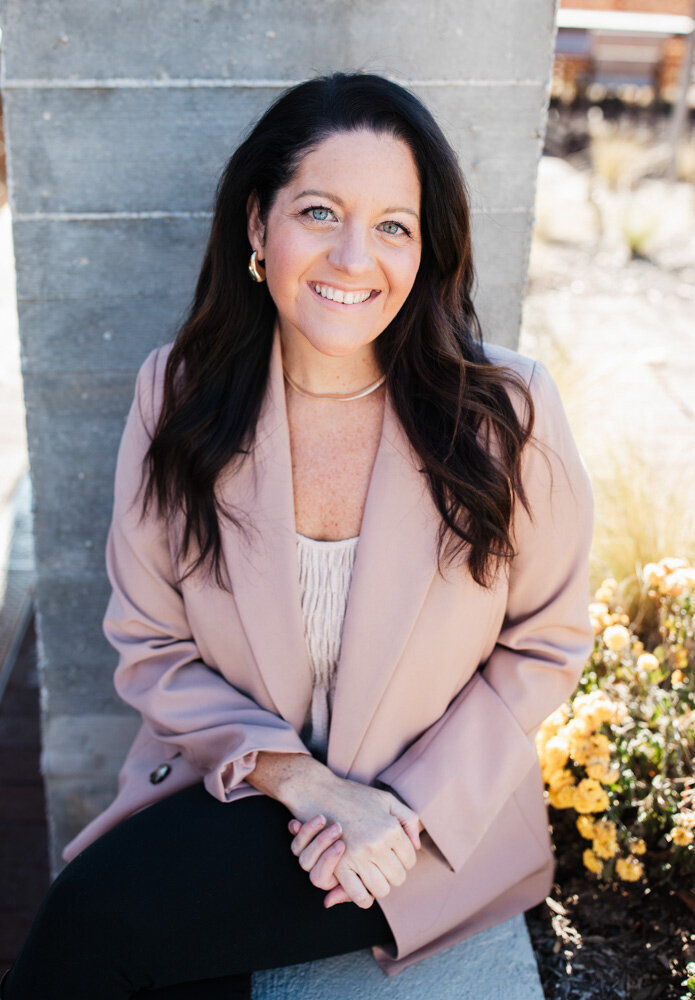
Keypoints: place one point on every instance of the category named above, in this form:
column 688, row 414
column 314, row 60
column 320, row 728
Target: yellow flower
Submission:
column 605, row 848
column 637, row 647
column 682, row 659
column 600, row 616
column 599, row 771
column 647, row 661
column 629, row 869
column 590, row 796
column 653, row 573
column 681, row 837
column 560, row 778
column 585, row 825
column 576, row 729
column 552, row 723
column 605, row 843
column 594, row 708
column 677, row 677
column 678, row 582
column 673, row 562
column 563, row 798
column 620, row 711
column 592, row 862
column 638, row 846
column 616, row 637
column 556, row 752
column 605, row 828
column 603, row 593
column 589, row 749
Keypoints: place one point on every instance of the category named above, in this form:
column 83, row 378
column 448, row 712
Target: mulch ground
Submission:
column 596, row 941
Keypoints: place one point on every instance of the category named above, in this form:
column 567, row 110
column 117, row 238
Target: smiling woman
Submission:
column 353, row 249
column 349, row 568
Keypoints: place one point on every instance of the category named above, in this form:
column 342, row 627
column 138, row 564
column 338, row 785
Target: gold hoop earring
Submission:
column 253, row 269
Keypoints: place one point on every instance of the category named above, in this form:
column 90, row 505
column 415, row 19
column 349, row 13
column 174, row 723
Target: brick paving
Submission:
column 24, row 873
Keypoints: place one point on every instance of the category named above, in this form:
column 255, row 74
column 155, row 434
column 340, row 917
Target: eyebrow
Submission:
column 339, row 201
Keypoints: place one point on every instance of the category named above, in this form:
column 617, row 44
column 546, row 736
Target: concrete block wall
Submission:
column 119, row 119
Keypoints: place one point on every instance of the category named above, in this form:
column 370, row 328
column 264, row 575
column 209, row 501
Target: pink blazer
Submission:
column 441, row 684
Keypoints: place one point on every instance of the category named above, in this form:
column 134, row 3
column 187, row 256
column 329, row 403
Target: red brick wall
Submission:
column 634, row 6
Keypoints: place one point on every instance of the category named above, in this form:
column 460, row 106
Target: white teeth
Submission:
column 336, row 295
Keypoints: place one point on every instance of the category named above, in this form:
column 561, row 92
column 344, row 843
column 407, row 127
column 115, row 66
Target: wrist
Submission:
column 289, row 777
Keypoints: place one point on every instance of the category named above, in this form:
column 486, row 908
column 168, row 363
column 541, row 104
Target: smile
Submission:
column 344, row 298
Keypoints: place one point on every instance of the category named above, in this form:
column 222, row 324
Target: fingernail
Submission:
column 321, row 818
column 337, row 828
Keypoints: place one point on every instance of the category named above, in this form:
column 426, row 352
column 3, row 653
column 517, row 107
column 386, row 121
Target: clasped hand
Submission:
column 360, row 844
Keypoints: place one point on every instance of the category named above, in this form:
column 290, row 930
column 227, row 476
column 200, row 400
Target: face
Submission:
column 342, row 242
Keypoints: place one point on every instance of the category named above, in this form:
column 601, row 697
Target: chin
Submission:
column 340, row 345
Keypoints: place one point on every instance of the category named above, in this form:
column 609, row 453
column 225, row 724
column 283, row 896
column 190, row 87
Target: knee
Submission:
column 71, row 903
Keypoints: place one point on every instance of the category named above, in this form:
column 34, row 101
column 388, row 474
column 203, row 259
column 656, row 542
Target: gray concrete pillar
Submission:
column 119, row 118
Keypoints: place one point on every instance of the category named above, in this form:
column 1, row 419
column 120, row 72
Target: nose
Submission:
column 351, row 252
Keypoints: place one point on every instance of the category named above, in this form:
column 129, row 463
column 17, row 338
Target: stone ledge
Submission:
column 495, row 964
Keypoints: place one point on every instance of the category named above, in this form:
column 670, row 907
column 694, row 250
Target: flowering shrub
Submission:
column 621, row 751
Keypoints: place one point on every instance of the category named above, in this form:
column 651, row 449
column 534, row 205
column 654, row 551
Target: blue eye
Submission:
column 396, row 229
column 318, row 213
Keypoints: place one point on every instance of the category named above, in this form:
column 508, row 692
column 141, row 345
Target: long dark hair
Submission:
column 452, row 401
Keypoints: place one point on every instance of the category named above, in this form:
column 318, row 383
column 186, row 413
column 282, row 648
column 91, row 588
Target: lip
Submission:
column 342, row 305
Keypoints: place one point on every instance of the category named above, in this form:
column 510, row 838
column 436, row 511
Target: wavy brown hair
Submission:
column 452, row 401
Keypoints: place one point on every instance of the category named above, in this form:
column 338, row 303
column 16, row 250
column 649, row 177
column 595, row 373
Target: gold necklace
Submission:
column 335, row 395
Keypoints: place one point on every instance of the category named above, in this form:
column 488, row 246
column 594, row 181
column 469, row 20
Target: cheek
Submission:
column 404, row 274
column 287, row 260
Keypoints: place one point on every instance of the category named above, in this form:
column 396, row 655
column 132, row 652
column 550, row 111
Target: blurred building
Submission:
column 630, row 48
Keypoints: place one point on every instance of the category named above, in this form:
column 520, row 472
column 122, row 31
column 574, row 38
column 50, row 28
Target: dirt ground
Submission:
column 608, row 942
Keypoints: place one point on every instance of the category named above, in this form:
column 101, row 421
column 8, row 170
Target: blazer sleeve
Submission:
column 182, row 700
column 460, row 772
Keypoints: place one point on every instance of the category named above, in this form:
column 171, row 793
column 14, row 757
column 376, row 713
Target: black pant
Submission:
column 184, row 900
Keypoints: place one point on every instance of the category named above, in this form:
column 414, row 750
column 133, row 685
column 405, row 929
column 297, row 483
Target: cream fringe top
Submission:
column 325, row 570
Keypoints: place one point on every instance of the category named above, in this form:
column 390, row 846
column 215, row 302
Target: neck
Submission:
column 319, row 373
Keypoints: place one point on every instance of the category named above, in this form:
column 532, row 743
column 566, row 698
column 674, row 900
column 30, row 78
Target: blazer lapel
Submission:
column 394, row 565
column 395, row 562
column 262, row 559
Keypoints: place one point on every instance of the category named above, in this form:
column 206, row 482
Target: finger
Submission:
column 403, row 847
column 392, row 868
column 335, row 896
column 405, row 852
column 315, row 848
column 322, row 874
column 410, row 821
column 413, row 834
column 354, row 887
column 306, row 833
column 374, row 880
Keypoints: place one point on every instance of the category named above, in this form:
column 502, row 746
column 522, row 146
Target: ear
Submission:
column 255, row 228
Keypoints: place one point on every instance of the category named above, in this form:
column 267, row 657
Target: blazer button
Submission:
column 159, row 773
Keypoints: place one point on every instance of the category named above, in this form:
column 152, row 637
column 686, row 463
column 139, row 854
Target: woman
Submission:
column 328, row 387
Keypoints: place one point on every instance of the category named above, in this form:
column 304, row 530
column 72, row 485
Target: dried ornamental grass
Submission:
column 621, row 751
